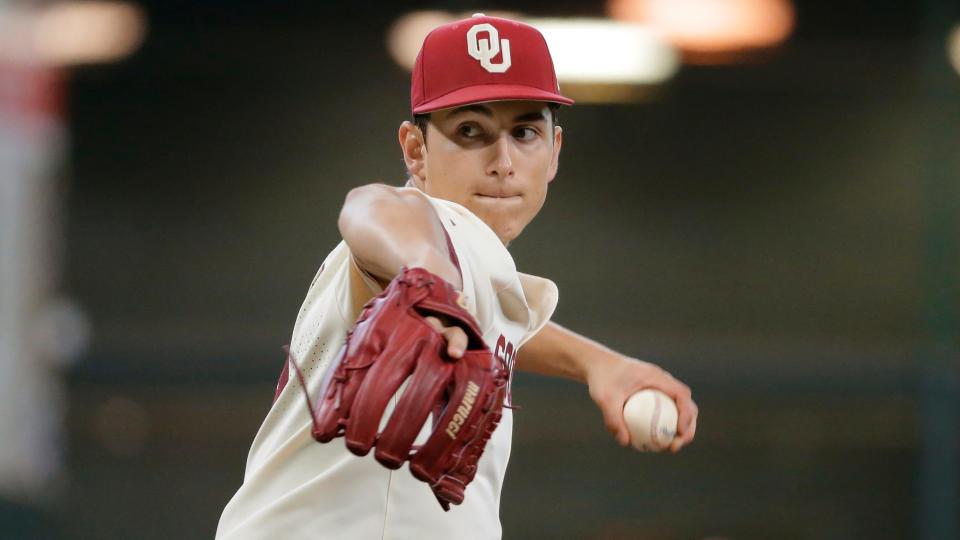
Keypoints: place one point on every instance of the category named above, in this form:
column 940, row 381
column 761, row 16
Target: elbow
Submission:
column 358, row 205
column 371, row 204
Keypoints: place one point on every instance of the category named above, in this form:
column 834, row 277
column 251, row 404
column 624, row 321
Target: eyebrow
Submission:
column 485, row 111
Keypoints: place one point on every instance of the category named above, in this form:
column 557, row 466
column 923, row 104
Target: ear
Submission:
column 555, row 159
column 414, row 149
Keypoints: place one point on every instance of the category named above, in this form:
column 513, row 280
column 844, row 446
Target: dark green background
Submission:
column 763, row 231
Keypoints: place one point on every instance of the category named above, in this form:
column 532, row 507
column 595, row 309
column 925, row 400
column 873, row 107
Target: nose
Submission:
column 501, row 164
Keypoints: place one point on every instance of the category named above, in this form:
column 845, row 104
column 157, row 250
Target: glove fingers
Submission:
column 387, row 344
column 429, row 380
column 453, row 483
column 475, row 396
column 343, row 379
column 389, row 370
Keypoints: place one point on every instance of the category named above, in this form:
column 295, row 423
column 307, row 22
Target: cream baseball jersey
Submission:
column 295, row 487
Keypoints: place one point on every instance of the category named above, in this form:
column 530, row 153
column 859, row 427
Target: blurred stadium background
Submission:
column 760, row 195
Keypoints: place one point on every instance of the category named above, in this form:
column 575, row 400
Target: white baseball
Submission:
column 651, row 417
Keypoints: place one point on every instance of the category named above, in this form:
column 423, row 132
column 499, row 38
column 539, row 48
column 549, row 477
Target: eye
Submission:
column 469, row 131
column 526, row 133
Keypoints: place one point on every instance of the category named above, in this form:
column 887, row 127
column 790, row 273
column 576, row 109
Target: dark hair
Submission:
column 421, row 120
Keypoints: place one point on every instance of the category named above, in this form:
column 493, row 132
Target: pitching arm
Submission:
column 610, row 377
column 387, row 228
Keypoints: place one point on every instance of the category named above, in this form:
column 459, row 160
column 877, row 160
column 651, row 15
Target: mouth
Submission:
column 495, row 201
column 498, row 195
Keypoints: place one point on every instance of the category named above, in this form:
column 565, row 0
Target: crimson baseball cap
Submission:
column 483, row 59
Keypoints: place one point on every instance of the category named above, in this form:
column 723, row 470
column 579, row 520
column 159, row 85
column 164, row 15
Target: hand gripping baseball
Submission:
column 391, row 343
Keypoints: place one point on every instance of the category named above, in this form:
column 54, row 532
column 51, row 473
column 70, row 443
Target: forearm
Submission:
column 559, row 352
column 388, row 228
column 610, row 377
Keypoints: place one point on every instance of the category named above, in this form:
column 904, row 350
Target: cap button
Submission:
column 478, row 15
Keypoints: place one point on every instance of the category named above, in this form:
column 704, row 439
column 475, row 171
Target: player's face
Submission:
column 494, row 158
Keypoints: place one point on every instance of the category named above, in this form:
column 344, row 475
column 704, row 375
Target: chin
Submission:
column 505, row 223
column 508, row 233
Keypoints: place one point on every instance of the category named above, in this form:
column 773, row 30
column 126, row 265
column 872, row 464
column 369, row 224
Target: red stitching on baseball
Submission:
column 655, row 422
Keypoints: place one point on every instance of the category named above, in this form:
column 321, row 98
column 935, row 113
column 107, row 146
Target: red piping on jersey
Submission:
column 284, row 375
column 453, row 253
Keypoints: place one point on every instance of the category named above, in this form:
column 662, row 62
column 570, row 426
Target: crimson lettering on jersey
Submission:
column 507, row 352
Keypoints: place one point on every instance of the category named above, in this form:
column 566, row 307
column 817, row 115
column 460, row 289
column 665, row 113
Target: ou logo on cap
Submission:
column 485, row 50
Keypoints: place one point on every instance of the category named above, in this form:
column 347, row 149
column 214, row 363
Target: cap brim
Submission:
column 490, row 92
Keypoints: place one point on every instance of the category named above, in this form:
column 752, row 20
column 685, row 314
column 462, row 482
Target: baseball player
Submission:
column 480, row 152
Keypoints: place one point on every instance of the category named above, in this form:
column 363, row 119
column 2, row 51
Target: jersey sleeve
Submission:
column 542, row 296
column 362, row 287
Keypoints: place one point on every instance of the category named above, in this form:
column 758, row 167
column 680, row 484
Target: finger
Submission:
column 684, row 414
column 682, row 397
column 691, row 430
column 456, row 341
column 454, row 336
column 686, row 435
column 691, row 433
column 681, row 441
column 434, row 323
column 612, row 410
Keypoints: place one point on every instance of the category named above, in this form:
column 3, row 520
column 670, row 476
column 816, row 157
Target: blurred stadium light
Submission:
column 709, row 31
column 598, row 58
column 953, row 48
column 89, row 32
column 67, row 33
column 592, row 51
column 408, row 32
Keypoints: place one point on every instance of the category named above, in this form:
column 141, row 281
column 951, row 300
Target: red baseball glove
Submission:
column 392, row 343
